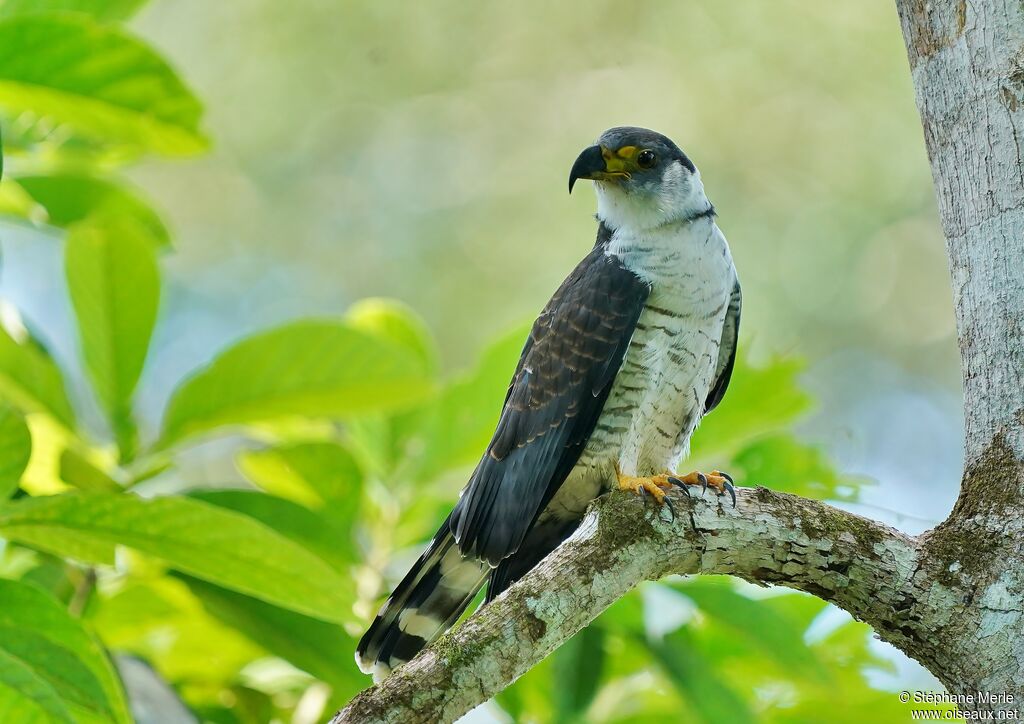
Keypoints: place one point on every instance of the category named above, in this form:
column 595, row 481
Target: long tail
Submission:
column 427, row 602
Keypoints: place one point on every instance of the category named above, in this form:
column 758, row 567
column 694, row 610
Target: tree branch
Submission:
column 858, row 564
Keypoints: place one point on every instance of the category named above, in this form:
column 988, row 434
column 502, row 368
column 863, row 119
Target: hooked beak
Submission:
column 597, row 163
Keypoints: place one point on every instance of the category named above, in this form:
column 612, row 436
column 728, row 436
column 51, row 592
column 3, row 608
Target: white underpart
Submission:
column 679, row 194
column 658, row 397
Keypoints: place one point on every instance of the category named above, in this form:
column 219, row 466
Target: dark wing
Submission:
column 564, row 376
column 726, row 350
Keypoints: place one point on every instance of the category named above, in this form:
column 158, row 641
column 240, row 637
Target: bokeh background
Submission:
column 419, row 151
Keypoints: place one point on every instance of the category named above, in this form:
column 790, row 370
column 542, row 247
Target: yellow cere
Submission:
column 615, row 163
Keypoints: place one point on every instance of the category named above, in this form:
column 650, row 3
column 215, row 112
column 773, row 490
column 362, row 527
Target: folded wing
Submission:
column 555, row 398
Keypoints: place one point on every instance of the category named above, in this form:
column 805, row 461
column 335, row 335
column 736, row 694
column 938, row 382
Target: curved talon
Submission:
column 727, row 485
column 722, row 482
column 656, row 486
column 731, row 489
column 679, row 484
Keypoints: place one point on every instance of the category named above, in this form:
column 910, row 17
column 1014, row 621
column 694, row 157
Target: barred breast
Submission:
column 658, row 397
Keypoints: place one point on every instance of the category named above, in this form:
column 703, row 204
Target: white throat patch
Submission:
column 679, row 195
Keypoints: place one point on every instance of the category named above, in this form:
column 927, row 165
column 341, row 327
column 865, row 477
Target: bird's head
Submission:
column 642, row 179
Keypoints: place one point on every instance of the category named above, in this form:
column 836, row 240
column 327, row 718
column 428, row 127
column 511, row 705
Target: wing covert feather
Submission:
column 726, row 350
column 564, row 375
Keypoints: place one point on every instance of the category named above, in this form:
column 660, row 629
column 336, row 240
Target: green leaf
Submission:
column 453, row 429
column 50, row 66
column 115, row 288
column 316, row 647
column 25, row 696
column 69, row 198
column 776, row 635
column 694, row 678
column 398, row 323
column 782, row 462
column 15, row 201
column 30, row 379
column 850, row 645
column 138, row 617
column 315, row 532
column 625, row 616
column 38, row 633
column 311, row 473
column 15, row 448
column 50, row 573
column 312, row 368
column 77, row 471
column 577, row 666
column 218, row 545
column 759, row 400
column 100, row 9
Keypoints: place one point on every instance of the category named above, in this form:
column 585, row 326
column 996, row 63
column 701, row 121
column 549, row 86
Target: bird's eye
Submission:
column 646, row 159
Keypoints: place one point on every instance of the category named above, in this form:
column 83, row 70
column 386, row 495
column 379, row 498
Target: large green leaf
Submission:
column 78, row 471
column 138, row 617
column 312, row 368
column 27, row 697
column 314, row 474
column 776, row 635
column 759, row 400
column 15, row 448
column 47, row 657
column 15, row 201
column 30, row 379
column 314, row 646
column 782, row 462
column 712, row 698
column 311, row 530
column 98, row 82
column 453, row 428
column 69, row 198
column 215, row 544
column 394, row 321
column 115, row 288
column 577, row 666
column 100, row 9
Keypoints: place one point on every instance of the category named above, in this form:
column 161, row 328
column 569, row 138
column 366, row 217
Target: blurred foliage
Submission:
column 246, row 600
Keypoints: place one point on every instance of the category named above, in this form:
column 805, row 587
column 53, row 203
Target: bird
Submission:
column 633, row 349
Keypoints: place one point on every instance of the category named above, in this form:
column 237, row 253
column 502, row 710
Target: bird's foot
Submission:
column 654, row 485
column 721, row 482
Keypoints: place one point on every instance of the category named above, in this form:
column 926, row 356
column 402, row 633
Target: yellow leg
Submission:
column 656, row 485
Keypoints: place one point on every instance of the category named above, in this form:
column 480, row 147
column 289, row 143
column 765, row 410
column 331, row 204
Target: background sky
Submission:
column 420, row 151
